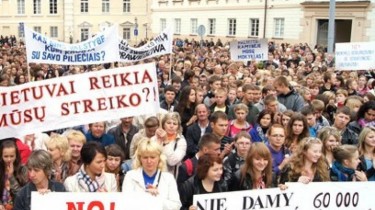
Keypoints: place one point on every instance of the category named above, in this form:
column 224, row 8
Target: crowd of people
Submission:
column 223, row 126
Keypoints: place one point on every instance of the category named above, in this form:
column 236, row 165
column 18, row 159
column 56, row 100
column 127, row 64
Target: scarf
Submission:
column 88, row 185
column 261, row 134
column 343, row 173
column 363, row 123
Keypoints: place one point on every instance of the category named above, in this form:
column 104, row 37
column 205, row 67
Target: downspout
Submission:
column 265, row 18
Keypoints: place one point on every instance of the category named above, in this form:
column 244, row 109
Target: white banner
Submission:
column 355, row 56
column 160, row 45
column 78, row 100
column 102, row 48
column 94, row 201
column 247, row 50
column 323, row 195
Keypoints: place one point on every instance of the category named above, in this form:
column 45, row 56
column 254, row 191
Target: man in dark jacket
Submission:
column 123, row 134
column 209, row 144
column 287, row 95
column 196, row 130
column 342, row 118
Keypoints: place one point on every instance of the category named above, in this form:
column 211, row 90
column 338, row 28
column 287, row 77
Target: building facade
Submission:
column 76, row 20
column 294, row 21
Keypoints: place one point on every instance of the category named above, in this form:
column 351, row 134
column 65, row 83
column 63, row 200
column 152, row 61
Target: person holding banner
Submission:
column 207, row 180
column 344, row 168
column 91, row 176
column 13, row 175
column 149, row 175
column 307, row 164
column 40, row 167
column 256, row 172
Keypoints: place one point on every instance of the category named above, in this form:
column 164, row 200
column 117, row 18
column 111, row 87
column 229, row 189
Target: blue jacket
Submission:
column 105, row 139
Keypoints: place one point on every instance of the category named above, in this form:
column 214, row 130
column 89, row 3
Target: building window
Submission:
column 37, row 7
column 84, row 6
column 20, row 7
column 212, row 26
column 105, row 6
column 53, row 32
column 177, row 25
column 38, row 29
column 126, row 6
column 232, row 25
column 84, row 34
column 254, row 27
column 52, row 6
column 126, row 33
column 163, row 24
column 279, row 27
column 194, row 25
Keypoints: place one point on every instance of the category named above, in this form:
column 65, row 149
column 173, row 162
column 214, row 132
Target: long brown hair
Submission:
column 258, row 149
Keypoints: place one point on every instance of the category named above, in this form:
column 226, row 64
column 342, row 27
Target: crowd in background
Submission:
column 224, row 125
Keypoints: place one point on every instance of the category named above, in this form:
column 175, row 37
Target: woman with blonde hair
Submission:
column 76, row 140
column 366, row 149
column 58, row 147
column 330, row 138
column 307, row 164
column 173, row 142
column 256, row 172
column 149, row 175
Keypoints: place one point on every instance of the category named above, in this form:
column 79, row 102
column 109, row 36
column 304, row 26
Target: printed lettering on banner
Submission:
column 78, row 100
column 160, row 45
column 96, row 50
column 248, row 50
column 94, row 201
column 355, row 56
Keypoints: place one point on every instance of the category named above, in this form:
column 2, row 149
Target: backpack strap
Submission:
column 189, row 167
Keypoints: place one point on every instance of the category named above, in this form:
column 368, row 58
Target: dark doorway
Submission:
column 343, row 30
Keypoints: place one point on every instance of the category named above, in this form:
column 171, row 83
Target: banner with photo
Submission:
column 355, row 56
column 160, row 45
column 78, row 100
column 102, row 48
column 248, row 50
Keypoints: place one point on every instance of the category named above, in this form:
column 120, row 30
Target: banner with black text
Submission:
column 78, row 100
column 102, row 48
column 160, row 45
column 315, row 195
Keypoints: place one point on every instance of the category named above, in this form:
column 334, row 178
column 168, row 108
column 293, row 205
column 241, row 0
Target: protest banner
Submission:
column 160, row 45
column 315, row 195
column 102, row 48
column 247, row 50
column 95, row 201
column 355, row 56
column 78, row 100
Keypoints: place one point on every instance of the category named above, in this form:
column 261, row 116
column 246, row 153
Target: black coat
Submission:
column 120, row 140
column 191, row 187
column 193, row 135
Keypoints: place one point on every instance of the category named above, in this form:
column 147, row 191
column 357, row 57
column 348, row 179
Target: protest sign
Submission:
column 78, row 100
column 95, row 201
column 315, row 195
column 247, row 50
column 355, row 56
column 160, row 45
column 102, row 48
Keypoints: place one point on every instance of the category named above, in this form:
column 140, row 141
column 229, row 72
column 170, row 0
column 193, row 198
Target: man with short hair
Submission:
column 249, row 91
column 287, row 95
column 309, row 113
column 123, row 134
column 169, row 103
column 197, row 130
column 219, row 125
column 276, row 144
column 341, row 120
column 329, row 82
column 208, row 144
